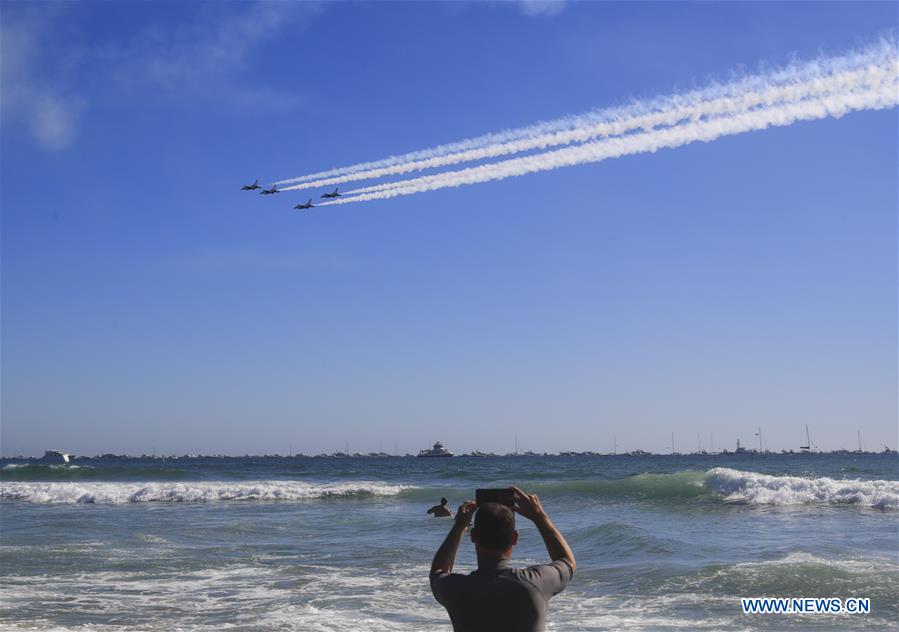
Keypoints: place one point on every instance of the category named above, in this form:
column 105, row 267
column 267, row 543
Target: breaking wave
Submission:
column 736, row 486
column 191, row 492
column 11, row 467
column 765, row 489
column 715, row 485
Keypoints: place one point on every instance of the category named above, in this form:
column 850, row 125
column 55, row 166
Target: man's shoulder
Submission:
column 550, row 578
column 447, row 586
column 560, row 567
column 444, row 578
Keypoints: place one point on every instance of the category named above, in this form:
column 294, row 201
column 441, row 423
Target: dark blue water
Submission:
column 344, row 543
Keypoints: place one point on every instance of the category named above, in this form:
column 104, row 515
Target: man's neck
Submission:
column 492, row 559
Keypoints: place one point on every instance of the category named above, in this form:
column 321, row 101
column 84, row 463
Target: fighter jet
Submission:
column 250, row 187
column 274, row 189
column 331, row 195
column 308, row 204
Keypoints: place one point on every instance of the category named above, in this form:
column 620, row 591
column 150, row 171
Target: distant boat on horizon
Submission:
column 807, row 448
column 55, row 456
column 437, row 451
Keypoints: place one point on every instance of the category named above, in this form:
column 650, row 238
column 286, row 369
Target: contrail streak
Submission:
column 794, row 82
column 845, row 83
column 866, row 97
column 672, row 116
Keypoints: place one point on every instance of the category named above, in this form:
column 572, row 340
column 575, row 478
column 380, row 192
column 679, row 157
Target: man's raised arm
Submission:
column 528, row 505
column 445, row 557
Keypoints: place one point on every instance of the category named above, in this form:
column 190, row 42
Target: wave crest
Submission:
column 766, row 489
column 37, row 467
column 190, row 492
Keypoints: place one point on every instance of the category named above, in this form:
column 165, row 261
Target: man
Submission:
column 441, row 510
column 495, row 597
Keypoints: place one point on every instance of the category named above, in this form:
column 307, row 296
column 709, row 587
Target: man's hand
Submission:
column 465, row 513
column 528, row 505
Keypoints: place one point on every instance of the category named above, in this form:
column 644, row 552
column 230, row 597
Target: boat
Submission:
column 437, row 451
column 55, row 456
column 807, row 448
column 859, row 451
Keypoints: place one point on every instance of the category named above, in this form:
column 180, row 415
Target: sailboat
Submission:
column 808, row 442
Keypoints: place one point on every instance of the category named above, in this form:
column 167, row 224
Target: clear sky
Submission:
column 713, row 288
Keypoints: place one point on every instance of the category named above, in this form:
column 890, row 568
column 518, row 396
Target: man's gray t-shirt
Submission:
column 496, row 598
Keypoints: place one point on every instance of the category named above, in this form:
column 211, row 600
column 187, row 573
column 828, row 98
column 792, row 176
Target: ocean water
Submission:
column 662, row 543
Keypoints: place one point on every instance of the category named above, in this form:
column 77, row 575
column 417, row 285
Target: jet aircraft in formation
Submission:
column 274, row 189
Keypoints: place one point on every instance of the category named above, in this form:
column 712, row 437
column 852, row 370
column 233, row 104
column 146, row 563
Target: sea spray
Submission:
column 765, row 489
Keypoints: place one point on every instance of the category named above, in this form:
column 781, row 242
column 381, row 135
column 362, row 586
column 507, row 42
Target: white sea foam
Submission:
column 187, row 492
column 55, row 466
column 765, row 489
column 291, row 596
column 803, row 558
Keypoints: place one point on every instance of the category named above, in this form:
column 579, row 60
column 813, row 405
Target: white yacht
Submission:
column 55, row 456
column 437, row 450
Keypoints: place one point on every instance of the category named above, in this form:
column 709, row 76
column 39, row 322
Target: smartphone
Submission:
column 503, row 496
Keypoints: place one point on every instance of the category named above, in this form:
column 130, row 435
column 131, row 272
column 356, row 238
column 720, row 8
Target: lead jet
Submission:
column 250, row 187
column 274, row 189
column 332, row 195
column 308, row 204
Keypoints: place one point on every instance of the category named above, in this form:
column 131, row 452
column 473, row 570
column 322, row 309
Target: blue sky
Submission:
column 713, row 288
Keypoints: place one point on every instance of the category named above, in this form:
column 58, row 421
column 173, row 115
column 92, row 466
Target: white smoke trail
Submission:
column 673, row 116
column 844, row 83
column 884, row 95
column 793, row 82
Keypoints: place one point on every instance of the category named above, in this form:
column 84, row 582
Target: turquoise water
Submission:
column 344, row 544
